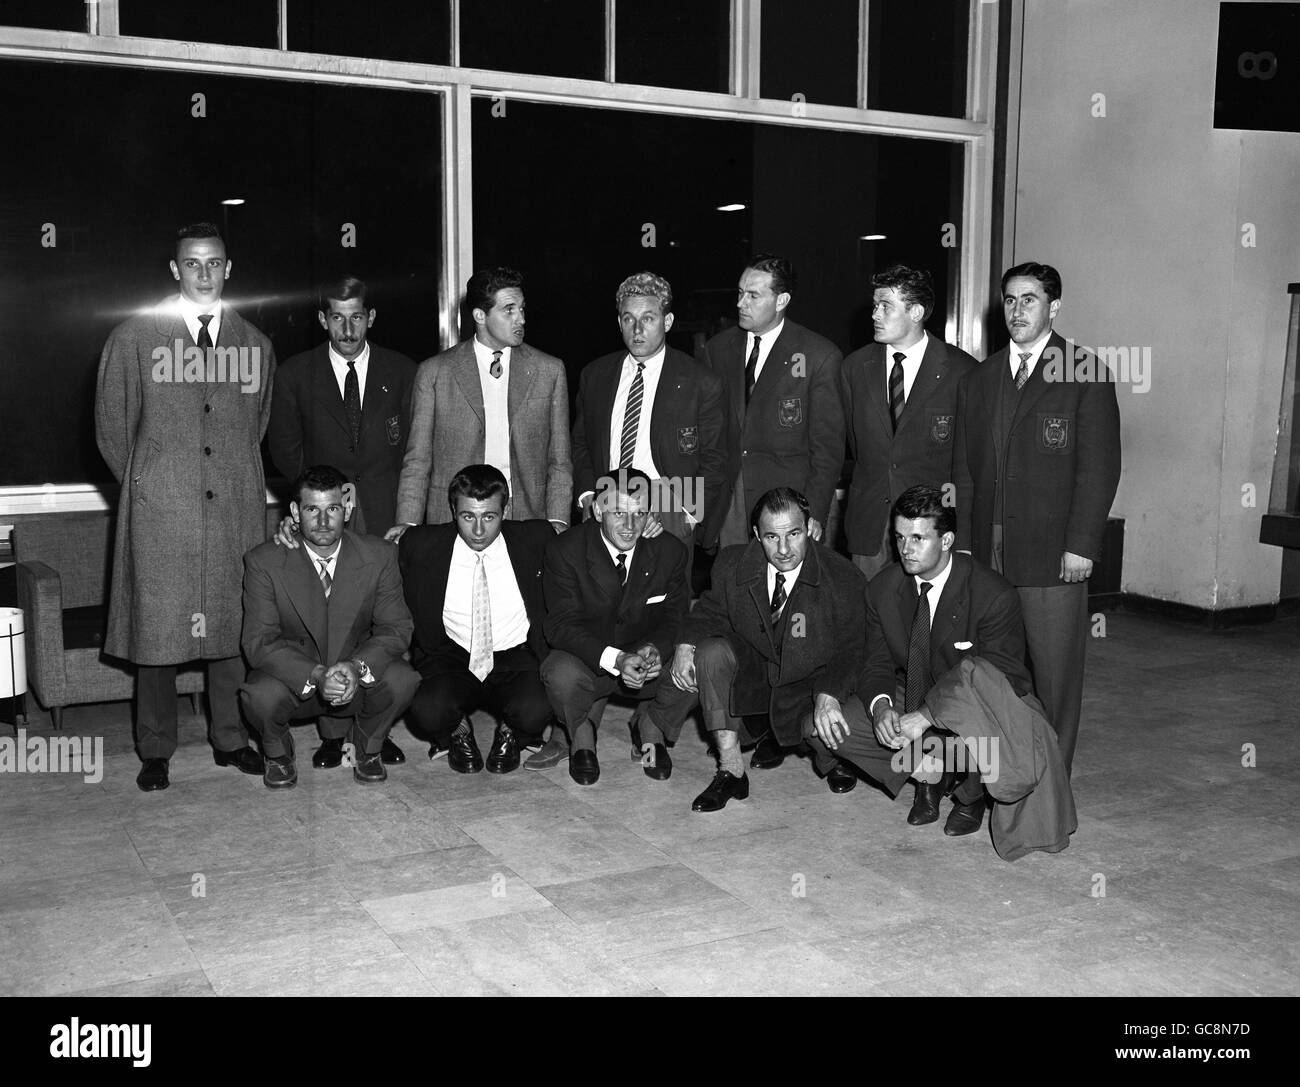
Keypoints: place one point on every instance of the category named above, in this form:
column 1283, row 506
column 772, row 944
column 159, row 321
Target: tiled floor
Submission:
column 446, row 884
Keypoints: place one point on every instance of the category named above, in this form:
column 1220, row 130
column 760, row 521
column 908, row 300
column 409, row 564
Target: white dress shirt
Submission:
column 791, row 576
column 496, row 407
column 190, row 314
column 641, row 456
column 611, row 652
column 509, row 615
column 912, row 357
column 1015, row 350
column 765, row 343
column 340, row 367
column 932, row 597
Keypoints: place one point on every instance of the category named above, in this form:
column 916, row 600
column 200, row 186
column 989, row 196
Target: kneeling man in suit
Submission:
column 614, row 601
column 474, row 588
column 325, row 627
column 946, row 631
column 782, row 625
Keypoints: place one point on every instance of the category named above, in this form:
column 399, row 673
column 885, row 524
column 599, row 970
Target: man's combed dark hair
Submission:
column 199, row 230
column 923, row 501
column 343, row 289
column 481, row 290
column 478, row 483
column 777, row 500
column 780, row 269
column 1048, row 276
column 319, row 477
column 914, row 287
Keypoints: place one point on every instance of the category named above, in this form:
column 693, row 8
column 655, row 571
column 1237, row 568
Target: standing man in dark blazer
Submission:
column 655, row 409
column 900, row 397
column 782, row 624
column 474, row 588
column 181, row 404
column 325, row 627
column 491, row 399
column 614, row 601
column 1036, row 464
column 346, row 403
column 785, row 419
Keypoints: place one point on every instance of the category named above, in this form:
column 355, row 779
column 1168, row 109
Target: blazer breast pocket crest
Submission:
column 394, row 427
column 1054, row 433
column 940, row 428
column 688, row 439
column 789, row 412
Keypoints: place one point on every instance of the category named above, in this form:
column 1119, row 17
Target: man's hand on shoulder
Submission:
column 395, row 534
column 1075, row 567
column 287, row 534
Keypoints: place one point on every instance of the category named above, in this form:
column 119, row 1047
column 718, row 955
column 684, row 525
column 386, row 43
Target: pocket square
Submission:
column 962, row 645
column 657, row 599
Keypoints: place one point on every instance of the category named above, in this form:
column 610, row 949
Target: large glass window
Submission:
column 811, row 49
column 105, row 163
column 674, row 43
column 916, row 56
column 44, row 14
column 250, row 22
column 410, row 30
column 540, row 37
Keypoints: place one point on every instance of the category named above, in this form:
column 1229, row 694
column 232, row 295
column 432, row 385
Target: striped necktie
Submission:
column 326, row 581
column 896, row 388
column 632, row 418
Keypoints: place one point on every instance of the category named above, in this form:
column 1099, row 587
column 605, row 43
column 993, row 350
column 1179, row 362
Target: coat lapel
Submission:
column 928, row 378
column 605, row 393
column 465, row 368
column 950, row 612
column 603, row 573
column 523, row 373
column 1036, row 386
column 345, row 595
column 325, row 389
column 373, row 406
column 751, row 573
column 307, row 595
column 877, row 387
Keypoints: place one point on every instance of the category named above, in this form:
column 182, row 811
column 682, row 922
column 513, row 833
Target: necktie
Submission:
column 631, row 418
column 495, row 368
column 352, row 402
column 751, row 370
column 480, row 638
column 918, row 654
column 326, row 581
column 778, row 597
column 896, row 388
column 205, row 337
column 1022, row 375
column 621, row 563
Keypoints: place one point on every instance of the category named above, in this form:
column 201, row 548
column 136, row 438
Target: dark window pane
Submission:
column 539, row 37
column 674, row 43
column 916, row 56
column 411, row 30
column 252, row 22
column 810, row 48
column 44, row 14
column 307, row 159
column 808, row 194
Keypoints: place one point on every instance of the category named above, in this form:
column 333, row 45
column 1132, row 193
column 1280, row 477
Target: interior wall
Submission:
column 1143, row 211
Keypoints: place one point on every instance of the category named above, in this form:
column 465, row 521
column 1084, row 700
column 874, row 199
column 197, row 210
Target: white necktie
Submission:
column 480, row 639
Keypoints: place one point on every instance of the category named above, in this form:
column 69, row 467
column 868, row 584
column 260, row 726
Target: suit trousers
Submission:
column 735, row 525
column 513, row 692
column 578, row 695
column 271, row 708
column 878, row 762
column 715, row 673
column 155, row 714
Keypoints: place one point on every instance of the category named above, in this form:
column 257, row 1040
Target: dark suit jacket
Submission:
column 821, row 637
column 289, row 627
column 887, row 462
column 586, row 607
column 977, row 606
column 792, row 434
column 309, row 426
column 424, row 558
column 687, row 430
column 1062, row 463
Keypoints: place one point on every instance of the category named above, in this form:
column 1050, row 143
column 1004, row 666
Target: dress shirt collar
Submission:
column 483, row 354
column 1035, row 349
column 937, row 583
column 652, row 364
column 338, row 361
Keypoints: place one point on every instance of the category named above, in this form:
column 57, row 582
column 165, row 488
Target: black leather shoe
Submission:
column 925, row 808
column 329, row 754
column 437, row 750
column 370, row 769
column 280, row 772
column 724, row 786
column 463, row 753
column 503, row 756
column 840, row 779
column 767, row 753
column 662, row 769
column 244, row 759
column 584, row 767
column 392, row 754
column 964, row 819
column 152, row 776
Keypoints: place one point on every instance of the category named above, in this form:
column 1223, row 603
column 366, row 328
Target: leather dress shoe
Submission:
column 925, row 807
column 724, row 786
column 503, row 756
column 244, row 759
column 552, row 753
column 840, row 779
column 767, row 753
column 663, row 762
column 964, row 819
column 437, row 750
column 329, row 754
column 152, row 776
column 280, row 772
column 463, row 753
column 392, row 754
column 584, row 767
column 369, row 769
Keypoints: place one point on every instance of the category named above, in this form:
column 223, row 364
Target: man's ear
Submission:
column 782, row 301
column 668, row 322
column 176, row 272
column 479, row 315
column 295, row 512
column 349, row 501
column 947, row 540
column 324, row 323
